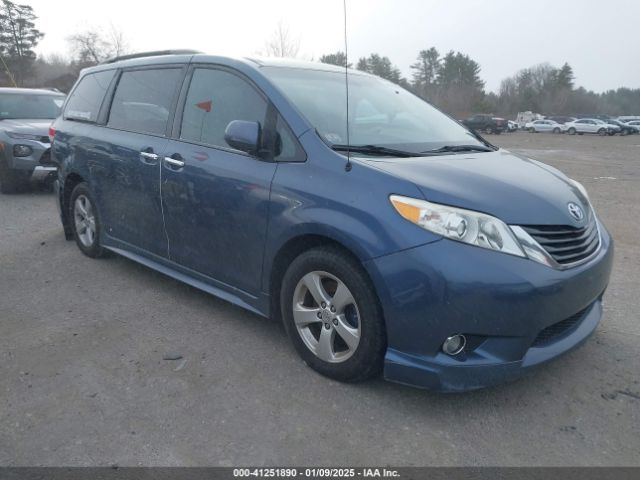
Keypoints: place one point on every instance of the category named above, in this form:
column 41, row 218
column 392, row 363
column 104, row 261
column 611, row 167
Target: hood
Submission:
column 516, row 189
column 34, row 126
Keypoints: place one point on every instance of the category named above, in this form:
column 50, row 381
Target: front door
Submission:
column 216, row 199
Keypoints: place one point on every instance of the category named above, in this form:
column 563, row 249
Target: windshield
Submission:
column 17, row 105
column 380, row 112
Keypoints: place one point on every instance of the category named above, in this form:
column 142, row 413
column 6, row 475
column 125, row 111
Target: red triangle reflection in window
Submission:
column 206, row 106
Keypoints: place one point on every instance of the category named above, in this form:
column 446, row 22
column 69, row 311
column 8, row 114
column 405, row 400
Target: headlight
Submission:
column 22, row 150
column 24, row 136
column 465, row 226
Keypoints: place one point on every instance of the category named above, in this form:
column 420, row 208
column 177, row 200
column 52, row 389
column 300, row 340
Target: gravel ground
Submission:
column 83, row 380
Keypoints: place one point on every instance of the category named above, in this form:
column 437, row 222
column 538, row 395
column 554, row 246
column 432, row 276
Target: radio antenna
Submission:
column 347, row 167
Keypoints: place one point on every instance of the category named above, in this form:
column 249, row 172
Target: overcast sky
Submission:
column 502, row 35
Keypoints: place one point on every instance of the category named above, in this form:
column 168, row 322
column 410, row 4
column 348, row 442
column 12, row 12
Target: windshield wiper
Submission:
column 375, row 150
column 460, row 148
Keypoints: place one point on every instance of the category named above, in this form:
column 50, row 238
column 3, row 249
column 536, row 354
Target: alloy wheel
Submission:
column 85, row 220
column 326, row 317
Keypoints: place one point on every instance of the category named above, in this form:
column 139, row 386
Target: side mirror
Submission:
column 243, row 136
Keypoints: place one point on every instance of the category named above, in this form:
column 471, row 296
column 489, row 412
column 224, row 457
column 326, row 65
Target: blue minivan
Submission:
column 402, row 244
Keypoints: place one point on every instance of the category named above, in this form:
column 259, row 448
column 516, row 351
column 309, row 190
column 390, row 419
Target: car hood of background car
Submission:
column 516, row 189
column 31, row 126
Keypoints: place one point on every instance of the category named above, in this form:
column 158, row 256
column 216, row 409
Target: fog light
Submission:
column 22, row 150
column 454, row 344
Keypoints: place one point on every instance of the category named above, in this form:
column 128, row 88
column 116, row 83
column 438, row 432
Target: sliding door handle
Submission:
column 149, row 158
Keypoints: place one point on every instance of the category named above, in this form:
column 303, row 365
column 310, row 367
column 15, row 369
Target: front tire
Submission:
column 572, row 131
column 85, row 221
column 556, row 130
column 602, row 132
column 332, row 315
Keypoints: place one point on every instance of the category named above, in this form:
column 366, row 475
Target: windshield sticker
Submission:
column 79, row 114
column 333, row 137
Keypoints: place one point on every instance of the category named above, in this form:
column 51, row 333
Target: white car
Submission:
column 635, row 123
column 588, row 125
column 546, row 126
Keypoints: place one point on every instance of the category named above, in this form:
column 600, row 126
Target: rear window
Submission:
column 86, row 99
column 143, row 100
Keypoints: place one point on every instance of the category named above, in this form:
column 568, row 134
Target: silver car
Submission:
column 587, row 125
column 545, row 126
column 25, row 117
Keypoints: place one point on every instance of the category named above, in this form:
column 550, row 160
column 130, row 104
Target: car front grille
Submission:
column 566, row 244
column 559, row 329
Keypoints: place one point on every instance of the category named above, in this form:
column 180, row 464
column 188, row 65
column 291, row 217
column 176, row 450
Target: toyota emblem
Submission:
column 575, row 211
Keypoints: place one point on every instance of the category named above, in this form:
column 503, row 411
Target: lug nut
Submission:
column 335, row 321
column 333, row 309
column 327, row 326
column 319, row 314
column 324, row 305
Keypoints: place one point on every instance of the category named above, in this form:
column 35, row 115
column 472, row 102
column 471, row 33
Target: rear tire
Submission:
column 571, row 131
column 332, row 315
column 532, row 130
column 85, row 221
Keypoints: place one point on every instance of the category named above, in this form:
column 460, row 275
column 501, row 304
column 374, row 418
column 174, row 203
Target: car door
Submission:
column 132, row 144
column 215, row 198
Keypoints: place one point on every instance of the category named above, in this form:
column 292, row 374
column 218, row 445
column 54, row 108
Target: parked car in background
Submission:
column 525, row 117
column 635, row 124
column 25, row 116
column 512, row 126
column 545, row 126
column 629, row 118
column 560, row 119
column 587, row 125
column 418, row 249
column 486, row 123
column 612, row 128
column 625, row 129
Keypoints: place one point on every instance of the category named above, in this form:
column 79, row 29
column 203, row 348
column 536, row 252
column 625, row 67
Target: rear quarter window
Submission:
column 85, row 100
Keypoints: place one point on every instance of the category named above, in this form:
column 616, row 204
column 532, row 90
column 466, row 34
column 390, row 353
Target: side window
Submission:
column 143, row 100
column 216, row 98
column 288, row 148
column 86, row 99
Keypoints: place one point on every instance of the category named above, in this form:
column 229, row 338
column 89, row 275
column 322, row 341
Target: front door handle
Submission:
column 149, row 158
column 174, row 162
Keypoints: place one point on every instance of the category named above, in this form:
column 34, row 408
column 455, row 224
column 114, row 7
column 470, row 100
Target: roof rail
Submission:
column 155, row 53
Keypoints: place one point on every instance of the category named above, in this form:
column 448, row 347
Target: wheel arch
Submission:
column 70, row 182
column 290, row 250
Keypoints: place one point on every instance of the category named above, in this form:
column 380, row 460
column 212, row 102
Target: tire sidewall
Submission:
column 368, row 357
column 96, row 249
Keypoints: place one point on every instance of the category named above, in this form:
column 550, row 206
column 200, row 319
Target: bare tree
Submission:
column 282, row 43
column 93, row 46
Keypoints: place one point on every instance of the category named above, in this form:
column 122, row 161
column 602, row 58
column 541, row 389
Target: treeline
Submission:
column 19, row 65
column 452, row 83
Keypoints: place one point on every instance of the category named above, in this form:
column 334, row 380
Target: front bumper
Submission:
column 501, row 303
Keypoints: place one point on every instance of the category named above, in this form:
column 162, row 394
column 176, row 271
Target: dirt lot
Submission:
column 83, row 380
